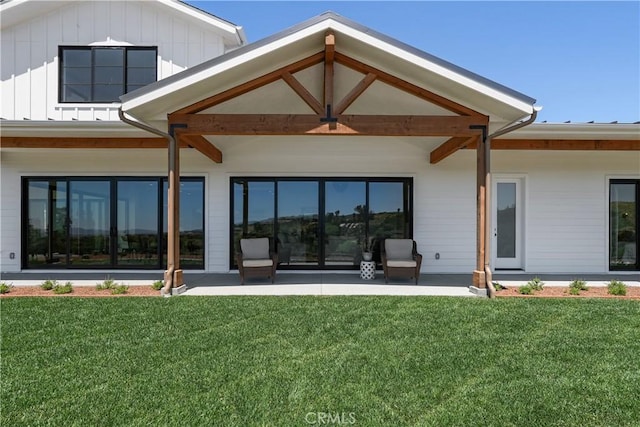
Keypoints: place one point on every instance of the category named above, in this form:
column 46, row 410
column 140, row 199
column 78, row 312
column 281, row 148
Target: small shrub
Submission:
column 157, row 285
column 47, row 285
column 536, row 284
column 576, row 286
column 5, row 287
column 119, row 289
column 67, row 288
column 616, row 287
column 106, row 284
column 526, row 289
column 498, row 286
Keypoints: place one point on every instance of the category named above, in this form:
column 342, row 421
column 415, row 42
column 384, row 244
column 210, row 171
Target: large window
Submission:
column 103, row 74
column 624, row 214
column 108, row 222
column 320, row 222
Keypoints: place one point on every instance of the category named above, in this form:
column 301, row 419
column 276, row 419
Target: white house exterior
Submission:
column 567, row 194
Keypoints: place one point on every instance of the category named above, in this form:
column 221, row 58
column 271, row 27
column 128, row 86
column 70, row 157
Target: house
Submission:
column 326, row 137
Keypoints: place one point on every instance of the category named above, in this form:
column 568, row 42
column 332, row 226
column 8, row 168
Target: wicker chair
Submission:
column 400, row 258
column 255, row 259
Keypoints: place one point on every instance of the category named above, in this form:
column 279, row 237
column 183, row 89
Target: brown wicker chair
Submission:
column 400, row 258
column 256, row 260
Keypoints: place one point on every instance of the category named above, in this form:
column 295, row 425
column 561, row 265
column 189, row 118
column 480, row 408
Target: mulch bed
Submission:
column 633, row 292
column 80, row 291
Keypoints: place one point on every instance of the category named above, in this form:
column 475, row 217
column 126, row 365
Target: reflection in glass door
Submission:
column 297, row 239
column 344, row 222
column 388, row 214
column 507, row 224
column 137, row 216
column 90, row 232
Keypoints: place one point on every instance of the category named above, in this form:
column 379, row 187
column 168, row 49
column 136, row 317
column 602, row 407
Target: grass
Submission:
column 244, row 361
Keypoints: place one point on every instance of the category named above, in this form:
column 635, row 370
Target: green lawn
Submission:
column 371, row 361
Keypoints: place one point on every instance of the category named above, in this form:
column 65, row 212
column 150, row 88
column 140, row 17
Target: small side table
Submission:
column 367, row 270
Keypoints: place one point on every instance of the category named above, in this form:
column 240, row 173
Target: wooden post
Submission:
column 488, row 213
column 479, row 278
column 173, row 274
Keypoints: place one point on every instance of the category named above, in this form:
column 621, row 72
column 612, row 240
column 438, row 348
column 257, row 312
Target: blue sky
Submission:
column 580, row 60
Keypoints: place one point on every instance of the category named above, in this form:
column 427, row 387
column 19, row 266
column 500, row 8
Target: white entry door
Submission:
column 506, row 244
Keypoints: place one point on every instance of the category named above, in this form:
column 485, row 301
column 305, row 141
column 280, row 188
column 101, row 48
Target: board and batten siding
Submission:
column 30, row 68
column 566, row 207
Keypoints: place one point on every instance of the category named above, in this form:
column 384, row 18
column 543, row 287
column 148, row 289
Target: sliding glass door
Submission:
column 108, row 222
column 344, row 222
column 90, row 223
column 321, row 223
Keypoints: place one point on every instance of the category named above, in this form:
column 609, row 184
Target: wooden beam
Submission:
column 354, row 93
column 406, row 86
column 449, row 147
column 201, row 144
column 59, row 142
column 329, row 54
column 566, row 144
column 482, row 169
column 294, row 124
column 303, row 92
column 252, row 84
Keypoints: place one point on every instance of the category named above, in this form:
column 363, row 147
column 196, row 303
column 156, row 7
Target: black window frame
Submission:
column 113, row 182
column 125, row 67
column 408, row 183
column 630, row 267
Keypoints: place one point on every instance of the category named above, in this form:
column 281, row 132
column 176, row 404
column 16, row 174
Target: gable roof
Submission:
column 499, row 102
column 17, row 11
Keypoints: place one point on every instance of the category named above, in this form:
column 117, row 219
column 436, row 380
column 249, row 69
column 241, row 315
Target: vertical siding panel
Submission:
column 194, row 46
column 149, row 25
column 117, row 30
column 100, row 18
column 54, row 37
column 132, row 21
column 8, row 71
column 70, row 24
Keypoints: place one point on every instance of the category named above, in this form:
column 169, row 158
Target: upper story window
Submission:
column 104, row 73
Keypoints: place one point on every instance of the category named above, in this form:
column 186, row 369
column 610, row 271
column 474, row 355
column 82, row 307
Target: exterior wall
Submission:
column 566, row 199
column 566, row 196
column 30, row 65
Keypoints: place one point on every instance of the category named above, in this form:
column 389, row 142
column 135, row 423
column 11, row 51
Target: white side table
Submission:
column 367, row 270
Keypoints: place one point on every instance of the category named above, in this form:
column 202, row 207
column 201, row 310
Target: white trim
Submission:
column 520, row 180
column 577, row 131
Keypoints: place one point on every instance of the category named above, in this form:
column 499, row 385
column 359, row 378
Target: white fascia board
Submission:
column 70, row 129
column 577, row 131
column 220, row 68
column 232, row 31
column 435, row 68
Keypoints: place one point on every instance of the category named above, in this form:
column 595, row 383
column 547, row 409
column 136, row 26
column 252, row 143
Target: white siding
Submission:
column 29, row 65
column 566, row 214
column 566, row 192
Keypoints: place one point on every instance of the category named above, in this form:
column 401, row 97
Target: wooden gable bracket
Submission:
column 328, row 118
column 201, row 144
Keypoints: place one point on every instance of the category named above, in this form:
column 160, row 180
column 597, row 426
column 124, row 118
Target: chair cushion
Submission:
column 255, row 248
column 399, row 263
column 257, row 262
column 399, row 249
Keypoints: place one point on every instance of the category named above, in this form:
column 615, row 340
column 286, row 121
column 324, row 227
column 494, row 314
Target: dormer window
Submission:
column 104, row 73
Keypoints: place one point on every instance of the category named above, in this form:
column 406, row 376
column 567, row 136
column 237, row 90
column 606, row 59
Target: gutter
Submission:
column 168, row 275
column 487, row 267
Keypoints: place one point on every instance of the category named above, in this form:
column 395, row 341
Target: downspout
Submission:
column 487, row 260
column 141, row 125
